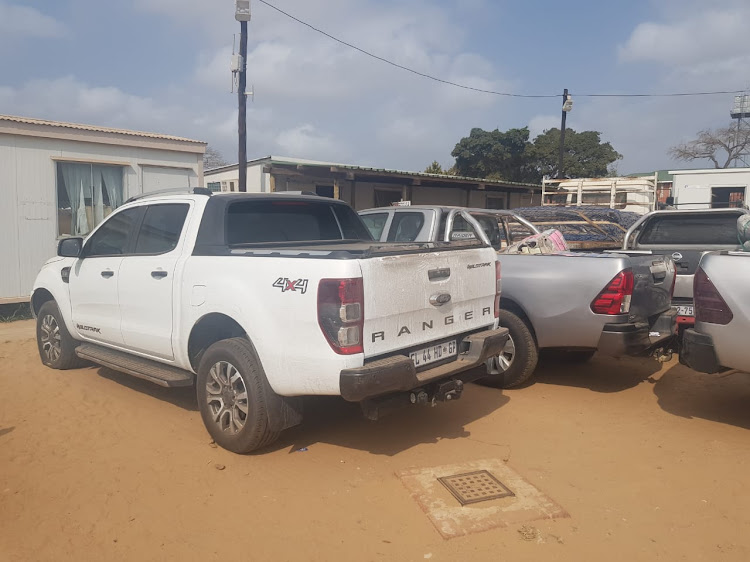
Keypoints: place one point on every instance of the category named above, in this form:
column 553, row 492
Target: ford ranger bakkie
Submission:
column 259, row 299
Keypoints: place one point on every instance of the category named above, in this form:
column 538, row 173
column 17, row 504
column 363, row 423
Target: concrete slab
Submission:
column 451, row 519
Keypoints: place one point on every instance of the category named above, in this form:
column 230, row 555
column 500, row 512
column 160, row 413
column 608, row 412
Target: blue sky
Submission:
column 163, row 65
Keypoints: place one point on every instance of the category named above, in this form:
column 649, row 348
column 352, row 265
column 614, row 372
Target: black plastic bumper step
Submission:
column 153, row 371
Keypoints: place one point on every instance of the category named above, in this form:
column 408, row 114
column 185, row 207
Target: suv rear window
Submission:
column 250, row 222
column 705, row 229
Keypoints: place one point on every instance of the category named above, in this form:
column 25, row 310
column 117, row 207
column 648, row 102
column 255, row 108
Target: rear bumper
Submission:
column 618, row 340
column 397, row 373
column 698, row 353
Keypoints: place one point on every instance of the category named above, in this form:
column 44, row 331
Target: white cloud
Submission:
column 25, row 21
column 314, row 90
column 696, row 37
column 699, row 45
column 305, row 141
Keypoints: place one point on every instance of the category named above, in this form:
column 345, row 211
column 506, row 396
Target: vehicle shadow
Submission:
column 6, row 430
column 330, row 419
column 723, row 398
column 600, row 374
column 183, row 397
column 335, row 421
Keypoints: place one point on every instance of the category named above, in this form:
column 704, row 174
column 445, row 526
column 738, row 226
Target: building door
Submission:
column 724, row 197
column 146, row 288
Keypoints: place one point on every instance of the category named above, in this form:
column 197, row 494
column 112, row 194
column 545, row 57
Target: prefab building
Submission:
column 710, row 188
column 61, row 179
column 365, row 187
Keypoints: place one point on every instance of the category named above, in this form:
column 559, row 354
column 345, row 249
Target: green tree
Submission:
column 585, row 155
column 434, row 168
column 493, row 154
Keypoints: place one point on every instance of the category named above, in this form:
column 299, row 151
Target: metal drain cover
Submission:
column 474, row 487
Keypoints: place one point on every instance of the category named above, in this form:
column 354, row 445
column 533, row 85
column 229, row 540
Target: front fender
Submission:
column 50, row 279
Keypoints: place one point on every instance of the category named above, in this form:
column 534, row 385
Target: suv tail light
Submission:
column 498, row 288
column 709, row 305
column 616, row 296
column 341, row 307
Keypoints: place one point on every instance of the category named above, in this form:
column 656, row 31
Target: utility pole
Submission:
column 566, row 106
column 242, row 14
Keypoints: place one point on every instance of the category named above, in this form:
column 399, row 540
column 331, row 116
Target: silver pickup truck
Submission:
column 722, row 315
column 685, row 236
column 569, row 304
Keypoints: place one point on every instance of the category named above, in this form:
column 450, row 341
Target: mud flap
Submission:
column 283, row 411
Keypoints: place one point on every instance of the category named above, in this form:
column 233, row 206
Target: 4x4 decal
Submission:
column 294, row 285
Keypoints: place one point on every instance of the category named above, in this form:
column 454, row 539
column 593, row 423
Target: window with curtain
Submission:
column 86, row 194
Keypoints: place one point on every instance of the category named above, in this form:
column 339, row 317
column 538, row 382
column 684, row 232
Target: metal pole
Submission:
column 242, row 113
column 560, row 170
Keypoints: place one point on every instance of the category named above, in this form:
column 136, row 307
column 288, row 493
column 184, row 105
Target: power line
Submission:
column 484, row 91
column 435, row 78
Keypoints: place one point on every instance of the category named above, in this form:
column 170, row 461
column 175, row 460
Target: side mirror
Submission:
column 70, row 247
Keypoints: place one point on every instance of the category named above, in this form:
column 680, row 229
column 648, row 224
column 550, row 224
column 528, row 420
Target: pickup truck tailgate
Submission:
column 428, row 296
column 654, row 278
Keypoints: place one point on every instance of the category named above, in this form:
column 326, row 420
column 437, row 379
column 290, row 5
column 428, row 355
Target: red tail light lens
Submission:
column 498, row 288
column 709, row 305
column 341, row 314
column 616, row 296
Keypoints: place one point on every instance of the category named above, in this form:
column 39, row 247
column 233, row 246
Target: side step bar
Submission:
column 153, row 371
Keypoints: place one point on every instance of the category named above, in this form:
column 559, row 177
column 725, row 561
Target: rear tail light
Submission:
column 709, row 305
column 498, row 288
column 341, row 316
column 616, row 296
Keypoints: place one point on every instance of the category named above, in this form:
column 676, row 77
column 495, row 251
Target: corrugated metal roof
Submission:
column 93, row 128
column 356, row 168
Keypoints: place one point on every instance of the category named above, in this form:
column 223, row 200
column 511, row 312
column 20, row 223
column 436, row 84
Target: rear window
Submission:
column 250, row 222
column 706, row 229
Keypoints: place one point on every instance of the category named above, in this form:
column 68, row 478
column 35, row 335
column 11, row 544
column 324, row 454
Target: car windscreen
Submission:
column 704, row 229
column 252, row 222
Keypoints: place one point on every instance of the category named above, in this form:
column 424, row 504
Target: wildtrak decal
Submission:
column 83, row 328
column 426, row 326
column 293, row 285
column 476, row 265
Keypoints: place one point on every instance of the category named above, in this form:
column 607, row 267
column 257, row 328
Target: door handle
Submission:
column 440, row 273
column 107, row 273
column 158, row 274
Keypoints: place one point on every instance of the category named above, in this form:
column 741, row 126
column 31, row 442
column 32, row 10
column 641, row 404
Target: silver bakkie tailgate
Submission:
column 426, row 297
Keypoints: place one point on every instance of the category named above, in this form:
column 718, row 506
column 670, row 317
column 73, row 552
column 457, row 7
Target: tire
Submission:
column 57, row 348
column 230, row 373
column 516, row 364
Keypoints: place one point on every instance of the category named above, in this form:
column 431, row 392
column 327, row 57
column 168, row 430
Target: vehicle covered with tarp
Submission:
column 586, row 227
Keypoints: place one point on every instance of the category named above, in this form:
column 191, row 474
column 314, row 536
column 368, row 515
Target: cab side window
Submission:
column 161, row 228
column 112, row 238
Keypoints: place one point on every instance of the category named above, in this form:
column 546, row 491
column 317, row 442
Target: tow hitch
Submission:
column 446, row 391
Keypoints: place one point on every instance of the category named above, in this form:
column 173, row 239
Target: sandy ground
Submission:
column 650, row 461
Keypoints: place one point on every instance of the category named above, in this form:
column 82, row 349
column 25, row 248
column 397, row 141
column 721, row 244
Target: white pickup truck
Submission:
column 261, row 298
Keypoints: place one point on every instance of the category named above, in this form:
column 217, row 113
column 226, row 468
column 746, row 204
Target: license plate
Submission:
column 686, row 311
column 433, row 354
